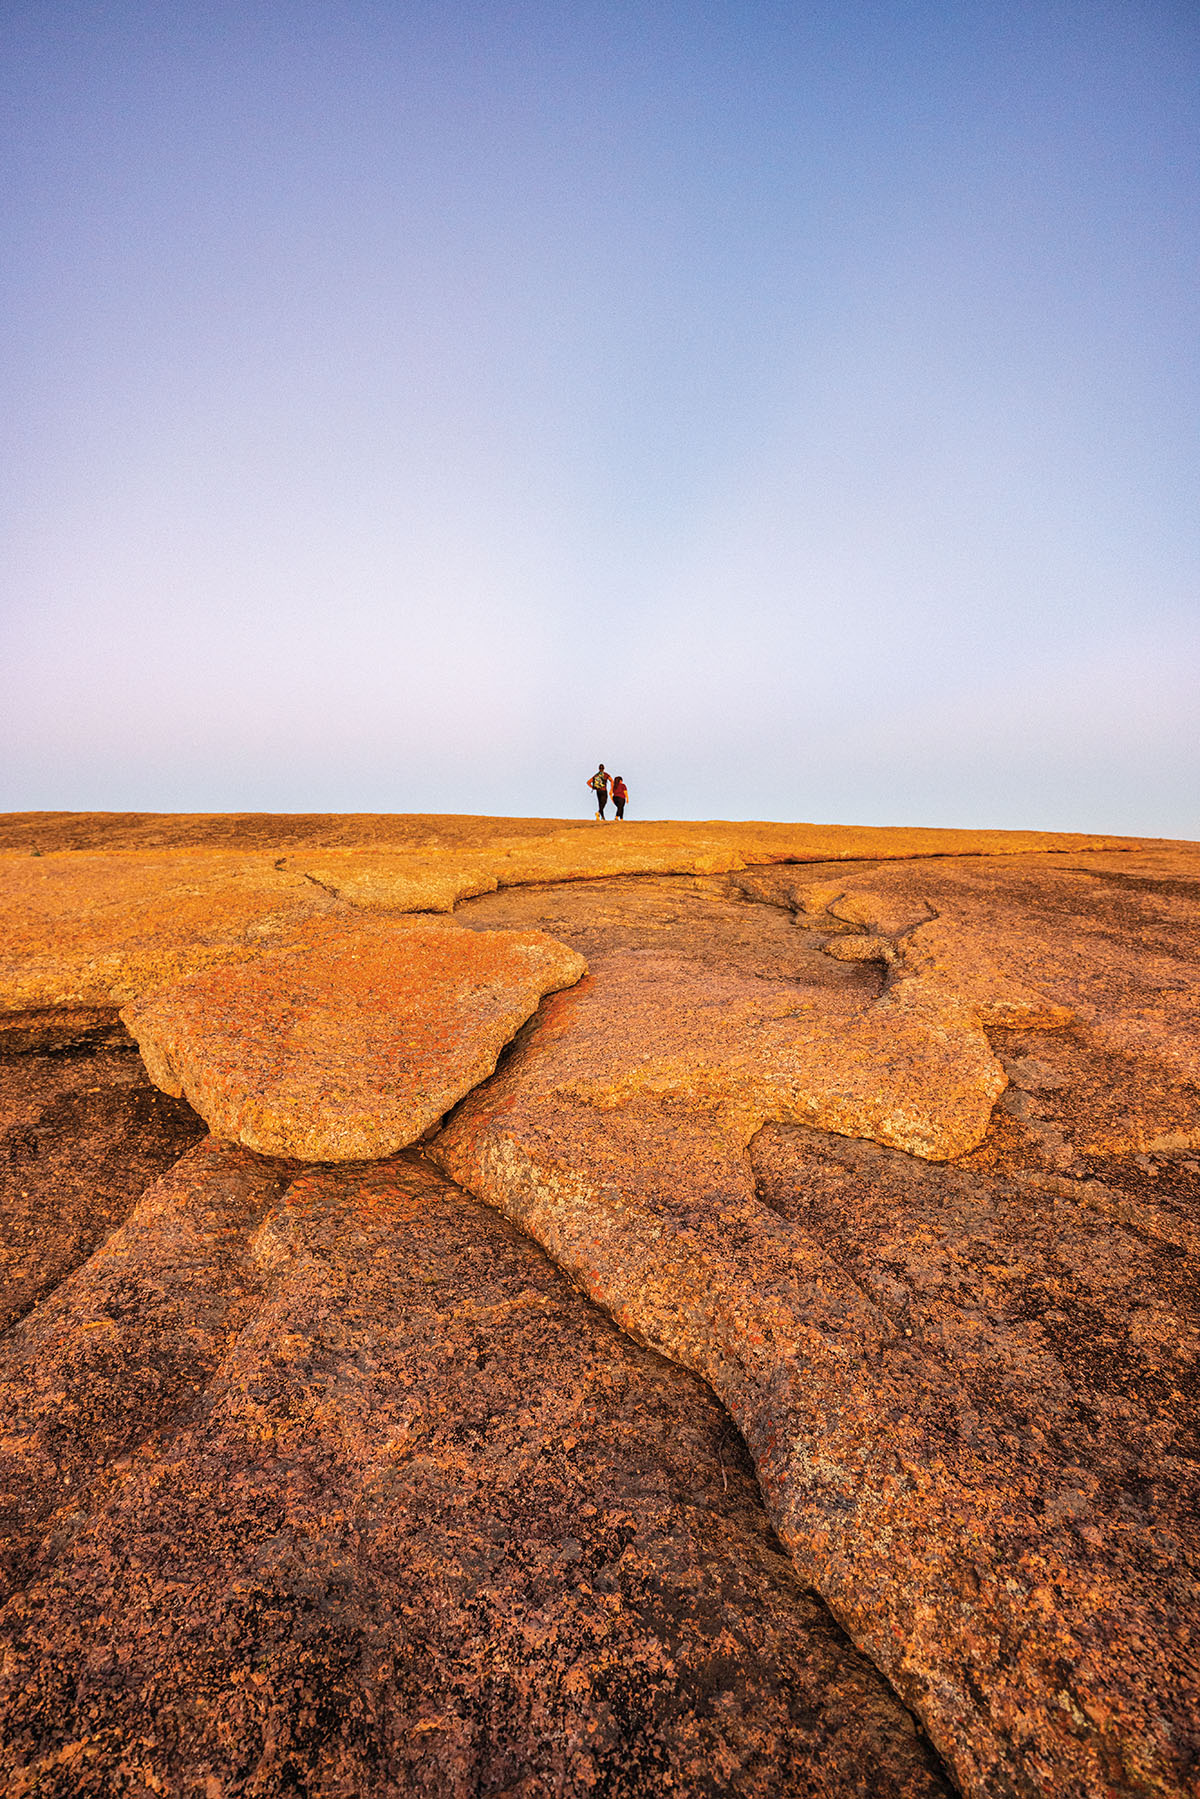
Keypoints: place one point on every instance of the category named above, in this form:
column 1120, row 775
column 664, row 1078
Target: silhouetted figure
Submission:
column 620, row 793
column 599, row 787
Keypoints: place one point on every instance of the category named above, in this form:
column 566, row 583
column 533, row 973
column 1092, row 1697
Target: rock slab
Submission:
column 1012, row 1542
column 350, row 1043
column 334, row 1485
column 100, row 909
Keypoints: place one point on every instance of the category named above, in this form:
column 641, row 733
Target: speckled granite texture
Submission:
column 999, row 1498
column 323, row 1479
column 82, row 1132
column 351, row 1042
column 101, row 910
column 333, row 1484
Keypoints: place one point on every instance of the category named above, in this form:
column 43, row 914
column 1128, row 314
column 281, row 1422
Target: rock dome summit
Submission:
column 500, row 1306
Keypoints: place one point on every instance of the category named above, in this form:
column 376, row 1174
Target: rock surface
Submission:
column 351, row 1042
column 913, row 1069
column 1114, row 941
column 335, row 1485
column 996, row 1493
column 99, row 929
column 81, row 1130
column 435, row 879
column 896, row 1148
column 104, row 925
column 42, row 833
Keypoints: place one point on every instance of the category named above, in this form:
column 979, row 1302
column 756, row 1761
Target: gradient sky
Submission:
column 794, row 405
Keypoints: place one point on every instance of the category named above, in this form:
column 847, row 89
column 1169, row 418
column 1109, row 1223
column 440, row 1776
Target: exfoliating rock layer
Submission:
column 350, row 1043
column 878, row 1149
column 102, row 909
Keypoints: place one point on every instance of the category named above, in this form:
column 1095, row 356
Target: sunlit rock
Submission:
column 350, row 1043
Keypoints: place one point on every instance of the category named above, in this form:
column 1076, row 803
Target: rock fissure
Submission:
column 566, row 1217
column 351, row 1042
column 363, row 1486
column 959, row 1336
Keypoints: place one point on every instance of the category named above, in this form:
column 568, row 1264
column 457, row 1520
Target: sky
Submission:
column 795, row 406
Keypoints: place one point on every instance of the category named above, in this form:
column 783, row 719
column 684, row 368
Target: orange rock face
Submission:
column 335, row 1485
column 353, row 1041
column 966, row 1391
column 97, row 924
column 1111, row 943
column 98, row 929
column 913, row 1070
column 82, row 1132
column 327, row 1480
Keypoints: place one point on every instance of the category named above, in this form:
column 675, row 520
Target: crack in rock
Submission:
column 617, row 1136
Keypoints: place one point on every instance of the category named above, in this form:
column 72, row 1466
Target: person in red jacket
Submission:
column 620, row 793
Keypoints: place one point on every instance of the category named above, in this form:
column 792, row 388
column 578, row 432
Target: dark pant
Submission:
column 601, row 799
column 620, row 808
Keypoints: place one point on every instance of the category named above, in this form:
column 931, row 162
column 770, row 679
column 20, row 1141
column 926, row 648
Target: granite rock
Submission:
column 1111, row 943
column 435, row 879
column 81, row 1130
column 922, row 1209
column 1004, row 1562
column 335, row 1485
column 352, row 1041
column 858, row 946
column 94, row 924
column 95, row 929
column 130, row 1335
column 912, row 1069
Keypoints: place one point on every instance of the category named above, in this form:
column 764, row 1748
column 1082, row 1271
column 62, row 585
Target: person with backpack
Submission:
column 599, row 786
column 620, row 793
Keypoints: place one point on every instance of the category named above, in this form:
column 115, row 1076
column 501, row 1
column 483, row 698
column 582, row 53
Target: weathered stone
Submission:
column 1112, row 942
column 44, row 832
column 968, row 1385
column 702, row 918
column 351, row 1042
column 808, row 896
column 345, row 1489
column 870, row 911
column 436, row 879
column 82, row 1131
column 96, row 927
column 57, row 1028
column 945, row 965
column 860, row 948
column 1046, row 1658
column 1030, row 1509
column 129, row 1337
column 92, row 930
column 914, row 1074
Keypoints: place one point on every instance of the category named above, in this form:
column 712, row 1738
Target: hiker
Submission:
column 599, row 787
column 620, row 793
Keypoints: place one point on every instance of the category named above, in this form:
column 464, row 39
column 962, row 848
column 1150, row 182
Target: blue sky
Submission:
column 795, row 406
